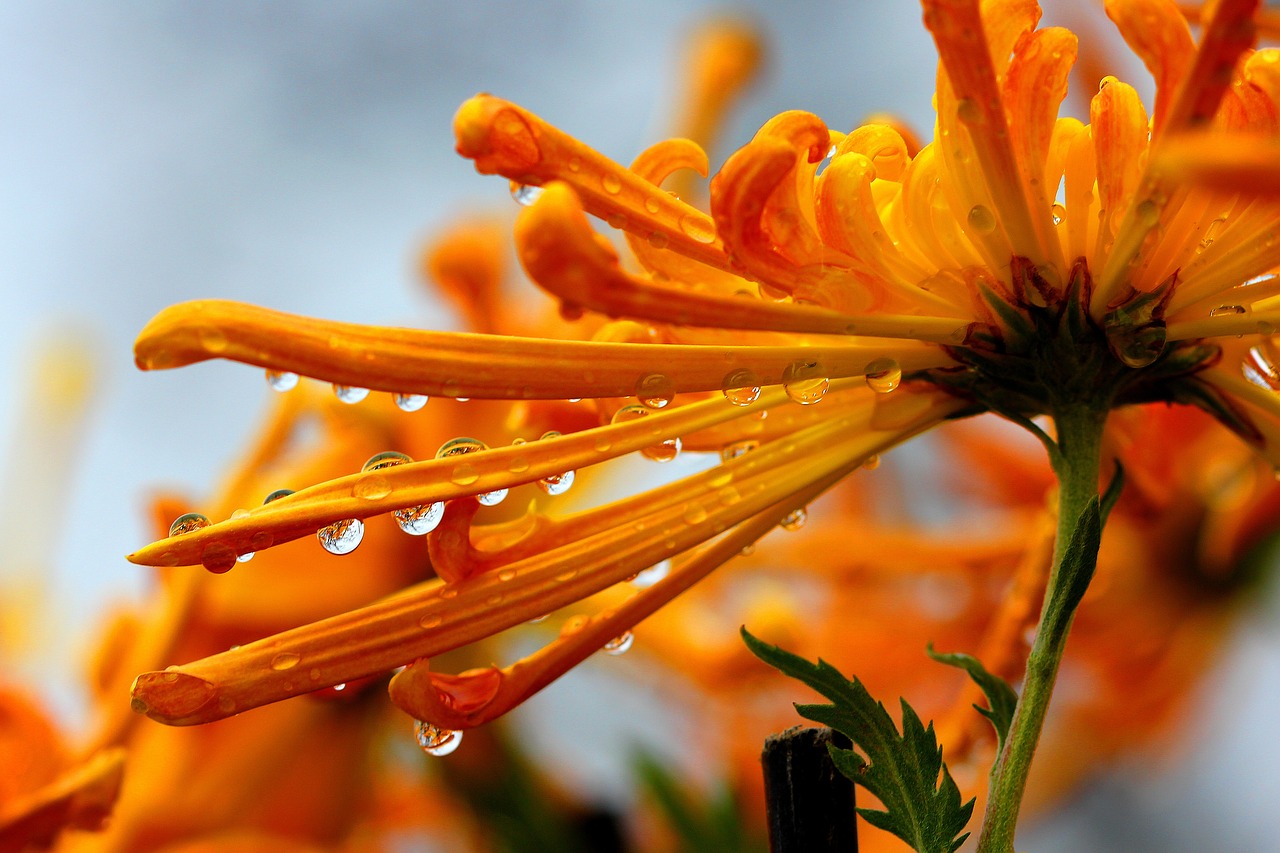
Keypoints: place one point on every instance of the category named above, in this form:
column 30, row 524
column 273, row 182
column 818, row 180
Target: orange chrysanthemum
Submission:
column 844, row 293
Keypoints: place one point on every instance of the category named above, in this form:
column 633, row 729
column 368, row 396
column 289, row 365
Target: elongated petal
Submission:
column 477, row 366
column 474, row 698
column 434, row 617
column 560, row 253
column 506, row 139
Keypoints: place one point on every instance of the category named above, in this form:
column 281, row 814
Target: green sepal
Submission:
column 904, row 771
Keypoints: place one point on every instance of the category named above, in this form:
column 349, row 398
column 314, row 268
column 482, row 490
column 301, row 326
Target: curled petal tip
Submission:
column 172, row 697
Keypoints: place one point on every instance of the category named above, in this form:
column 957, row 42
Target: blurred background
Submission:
column 296, row 156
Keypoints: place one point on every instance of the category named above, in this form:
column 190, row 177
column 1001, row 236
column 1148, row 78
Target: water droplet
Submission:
column 795, row 520
column 741, row 387
column 805, row 382
column 737, row 448
column 1059, row 213
column 285, row 661
column 341, row 537
column 410, row 402
column 612, row 184
column 620, row 644
column 340, row 687
column 282, row 380
column 655, row 390
column 385, row 459
column 1148, row 213
column 883, row 375
column 694, row 513
column 421, row 519
column 435, row 740
column 652, row 575
column 218, row 557
column 431, row 620
column 872, row 462
column 465, row 474
column 1227, row 311
column 967, row 111
column 664, row 450
column 658, row 240
column 1136, row 346
column 524, row 194
column 188, row 523
column 651, row 205
column 698, row 227
column 276, row 495
column 981, row 219
column 246, row 557
column 575, row 164
column 349, row 393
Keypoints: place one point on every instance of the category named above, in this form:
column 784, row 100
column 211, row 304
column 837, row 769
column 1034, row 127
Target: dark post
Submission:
column 809, row 801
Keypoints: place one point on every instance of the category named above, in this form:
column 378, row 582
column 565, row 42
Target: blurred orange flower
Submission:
column 844, row 293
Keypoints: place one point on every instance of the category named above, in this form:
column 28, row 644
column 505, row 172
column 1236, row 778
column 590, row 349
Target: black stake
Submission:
column 809, row 801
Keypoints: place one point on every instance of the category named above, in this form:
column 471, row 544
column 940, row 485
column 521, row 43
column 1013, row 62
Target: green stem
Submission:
column 1079, row 438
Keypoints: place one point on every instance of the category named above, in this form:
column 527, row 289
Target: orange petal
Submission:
column 478, row 696
column 432, row 618
column 966, row 58
column 1158, row 34
column 560, row 252
column 477, row 366
column 508, row 140
column 81, row 797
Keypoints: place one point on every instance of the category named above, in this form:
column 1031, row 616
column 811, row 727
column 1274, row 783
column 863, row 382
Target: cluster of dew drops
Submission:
column 805, row 382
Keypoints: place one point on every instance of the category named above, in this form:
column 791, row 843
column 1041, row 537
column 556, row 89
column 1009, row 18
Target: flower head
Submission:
column 843, row 293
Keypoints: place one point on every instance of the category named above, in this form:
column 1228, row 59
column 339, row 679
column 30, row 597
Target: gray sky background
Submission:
column 294, row 155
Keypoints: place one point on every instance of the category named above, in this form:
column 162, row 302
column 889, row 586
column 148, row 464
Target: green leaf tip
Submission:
column 1000, row 696
column 904, row 771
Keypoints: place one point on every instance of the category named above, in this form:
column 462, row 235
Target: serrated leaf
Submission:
column 904, row 771
column 1000, row 696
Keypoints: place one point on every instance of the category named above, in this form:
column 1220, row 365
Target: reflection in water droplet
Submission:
column 795, row 520
column 741, row 387
column 1227, row 311
column 872, row 462
column 282, row 380
column 218, row 557
column 663, row 451
column 981, row 219
column 652, row 575
column 655, row 391
column 341, row 537
column 434, row 740
column 284, row 661
column 805, row 382
column 276, row 495
column 1059, row 213
column 466, row 474
column 621, row 644
column 421, row 519
column 699, row 227
column 410, row 402
column 386, row 459
column 188, row 523
column 737, row 448
column 883, row 375
column 694, row 513
column 246, row 557
column 555, row 484
column 349, row 393
column 1135, row 345
column 612, row 183
column 524, row 194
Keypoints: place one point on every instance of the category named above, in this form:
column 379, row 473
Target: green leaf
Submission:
column 1000, row 695
column 901, row 770
column 1080, row 559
